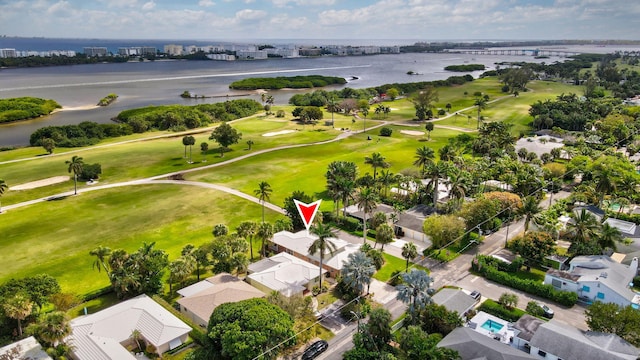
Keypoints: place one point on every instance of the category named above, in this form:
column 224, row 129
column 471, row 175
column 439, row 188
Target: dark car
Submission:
column 476, row 295
column 315, row 349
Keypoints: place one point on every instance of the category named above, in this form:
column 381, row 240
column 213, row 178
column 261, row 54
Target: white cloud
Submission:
column 249, row 14
column 149, row 6
column 283, row 3
column 61, row 8
column 206, row 3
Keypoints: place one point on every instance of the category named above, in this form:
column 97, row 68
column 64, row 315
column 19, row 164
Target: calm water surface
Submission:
column 161, row 82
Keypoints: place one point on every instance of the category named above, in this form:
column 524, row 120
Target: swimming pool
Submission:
column 492, row 326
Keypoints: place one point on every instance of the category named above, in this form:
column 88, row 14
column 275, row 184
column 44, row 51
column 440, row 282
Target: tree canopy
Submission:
column 249, row 329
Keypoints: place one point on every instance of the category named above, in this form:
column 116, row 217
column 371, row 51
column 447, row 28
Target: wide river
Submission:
column 137, row 84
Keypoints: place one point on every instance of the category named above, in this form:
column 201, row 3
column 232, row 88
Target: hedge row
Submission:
column 546, row 291
column 495, row 309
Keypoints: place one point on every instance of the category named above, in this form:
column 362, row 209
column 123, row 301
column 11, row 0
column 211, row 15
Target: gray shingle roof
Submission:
column 527, row 325
column 569, row 343
column 454, row 300
column 472, row 345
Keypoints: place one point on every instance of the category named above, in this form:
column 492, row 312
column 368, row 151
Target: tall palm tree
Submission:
column 409, row 251
column 54, row 327
column 376, row 160
column 247, row 230
column 366, row 200
column 609, row 236
column 18, row 307
column 75, row 166
column 481, row 104
column 322, row 244
column 387, row 178
column 435, row 172
column 458, row 183
column 263, row 192
column 605, row 179
column 424, row 157
column 530, row 208
column 416, row 290
column 357, row 271
column 3, row 188
column 584, row 226
column 264, row 233
column 101, row 253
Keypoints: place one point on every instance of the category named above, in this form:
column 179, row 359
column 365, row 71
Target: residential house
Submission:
column 284, row 273
column 408, row 224
column 297, row 244
column 200, row 299
column 472, row 345
column 597, row 278
column 555, row 340
column 26, row 349
column 454, row 300
column 105, row 334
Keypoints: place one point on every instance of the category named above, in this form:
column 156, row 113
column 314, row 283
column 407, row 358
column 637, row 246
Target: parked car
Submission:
column 315, row 349
column 476, row 295
column 548, row 313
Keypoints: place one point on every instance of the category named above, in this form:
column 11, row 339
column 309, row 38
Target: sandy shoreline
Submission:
column 76, row 108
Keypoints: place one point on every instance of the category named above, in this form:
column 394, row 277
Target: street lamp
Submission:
column 357, row 319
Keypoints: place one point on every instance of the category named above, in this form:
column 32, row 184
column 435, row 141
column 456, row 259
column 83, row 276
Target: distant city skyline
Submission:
column 322, row 19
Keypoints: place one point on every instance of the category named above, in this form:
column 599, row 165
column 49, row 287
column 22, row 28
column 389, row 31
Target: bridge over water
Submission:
column 522, row 52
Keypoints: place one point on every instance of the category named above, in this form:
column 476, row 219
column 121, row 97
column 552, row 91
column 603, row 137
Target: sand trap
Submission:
column 412, row 132
column 279, row 133
column 40, row 183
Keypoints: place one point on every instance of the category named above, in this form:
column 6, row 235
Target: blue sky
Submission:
column 322, row 19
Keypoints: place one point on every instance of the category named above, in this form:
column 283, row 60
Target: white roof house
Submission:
column 200, row 299
column 597, row 278
column 284, row 273
column 297, row 244
column 101, row 336
column 28, row 348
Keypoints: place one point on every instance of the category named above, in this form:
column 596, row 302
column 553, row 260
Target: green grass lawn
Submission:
column 391, row 264
column 55, row 237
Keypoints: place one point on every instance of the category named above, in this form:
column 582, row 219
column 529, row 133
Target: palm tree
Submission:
column 415, row 290
column 458, row 184
column 435, row 172
column 366, row 200
column 584, row 226
column 357, row 271
column 3, row 188
column 322, row 244
column 409, row 251
column 75, row 166
column 378, row 219
column 263, row 192
column 264, row 233
column 609, row 236
column 18, row 307
column 429, row 127
column 424, row 157
column 384, row 234
column 481, row 104
column 54, row 327
column 387, row 178
column 376, row 160
column 136, row 335
column 247, row 229
column 101, row 253
column 605, row 179
column 530, row 208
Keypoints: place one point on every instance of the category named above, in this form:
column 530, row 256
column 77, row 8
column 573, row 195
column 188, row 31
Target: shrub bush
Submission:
column 488, row 270
column 500, row 311
column 385, row 131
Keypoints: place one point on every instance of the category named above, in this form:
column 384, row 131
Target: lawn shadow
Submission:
column 57, row 198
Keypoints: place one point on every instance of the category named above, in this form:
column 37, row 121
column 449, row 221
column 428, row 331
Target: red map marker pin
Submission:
column 307, row 211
